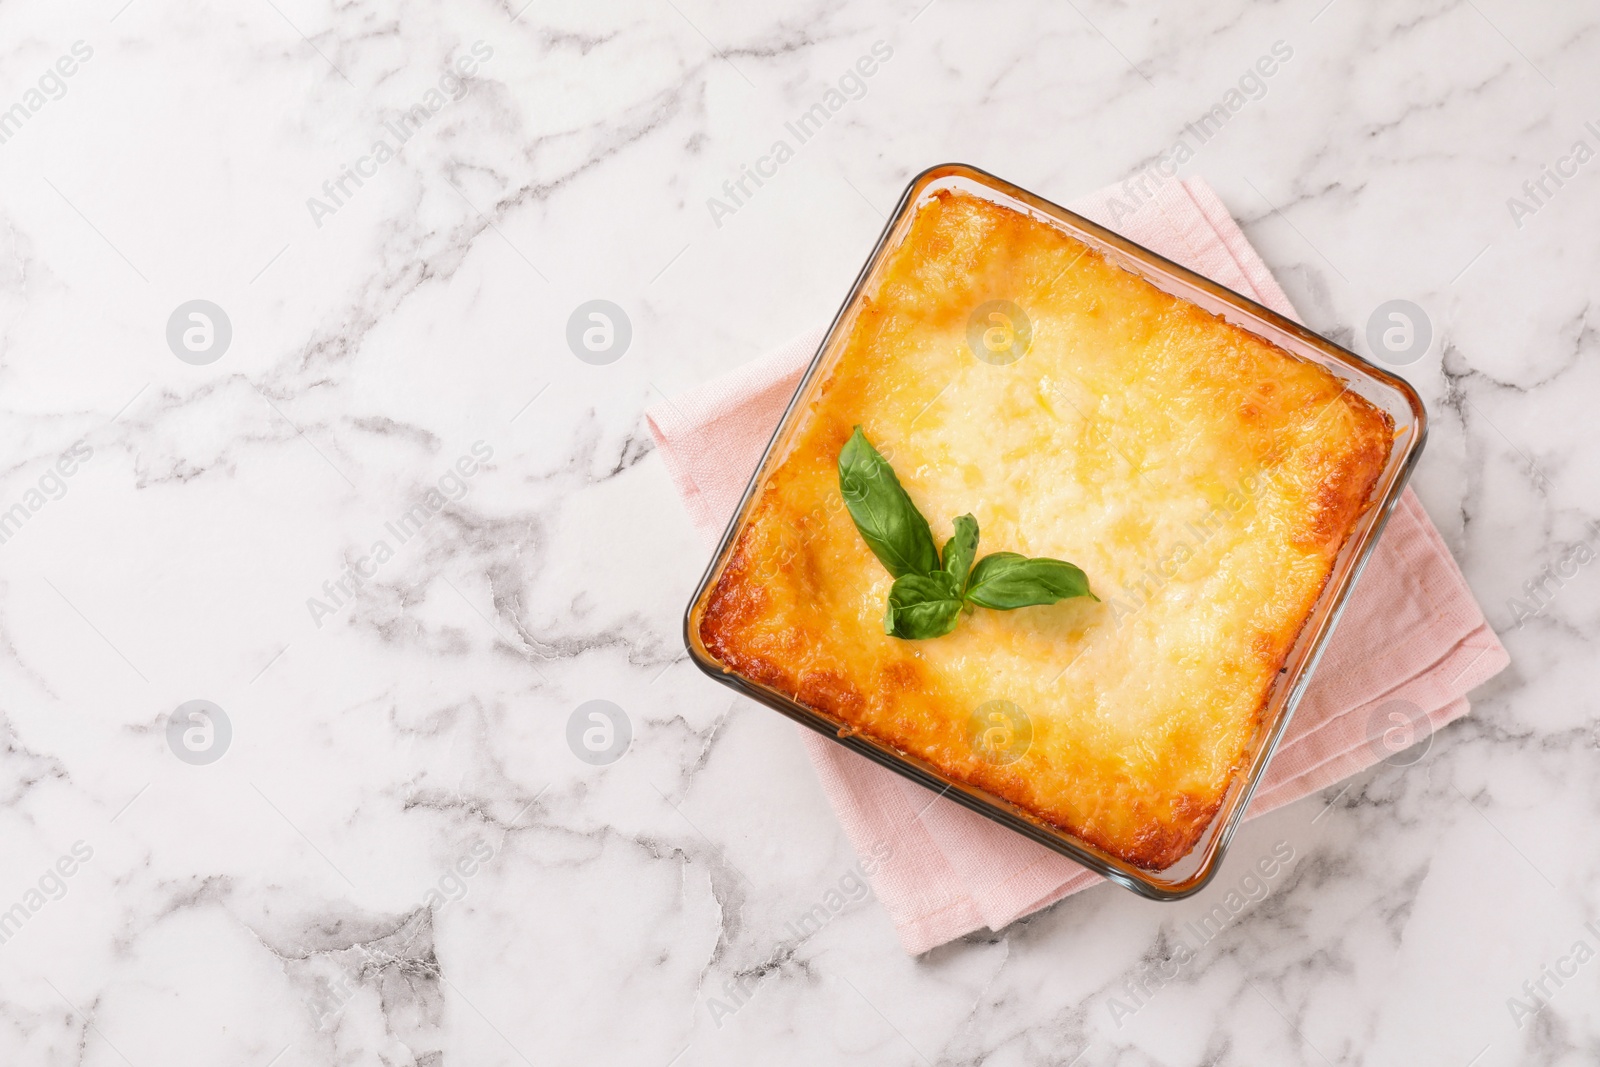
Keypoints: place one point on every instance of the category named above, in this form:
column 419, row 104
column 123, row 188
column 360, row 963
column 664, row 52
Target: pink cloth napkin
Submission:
column 1411, row 633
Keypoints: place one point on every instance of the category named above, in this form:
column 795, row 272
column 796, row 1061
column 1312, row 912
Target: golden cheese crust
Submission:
column 1203, row 478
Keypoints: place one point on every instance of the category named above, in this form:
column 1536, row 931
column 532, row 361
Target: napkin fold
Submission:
column 1411, row 644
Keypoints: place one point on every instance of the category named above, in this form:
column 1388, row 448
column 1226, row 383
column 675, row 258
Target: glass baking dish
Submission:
column 1388, row 392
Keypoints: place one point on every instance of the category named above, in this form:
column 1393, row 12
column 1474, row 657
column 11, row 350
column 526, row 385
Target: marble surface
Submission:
column 398, row 857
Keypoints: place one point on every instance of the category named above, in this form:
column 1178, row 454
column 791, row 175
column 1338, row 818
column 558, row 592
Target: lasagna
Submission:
column 1203, row 478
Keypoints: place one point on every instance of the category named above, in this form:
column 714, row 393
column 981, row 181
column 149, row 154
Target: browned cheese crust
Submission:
column 1203, row 478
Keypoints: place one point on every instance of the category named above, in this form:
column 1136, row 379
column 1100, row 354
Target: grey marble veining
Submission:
column 399, row 858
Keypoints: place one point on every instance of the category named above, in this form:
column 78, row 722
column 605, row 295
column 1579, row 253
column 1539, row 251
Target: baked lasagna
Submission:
column 1203, row 478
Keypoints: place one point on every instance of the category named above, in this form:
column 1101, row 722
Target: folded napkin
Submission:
column 1411, row 644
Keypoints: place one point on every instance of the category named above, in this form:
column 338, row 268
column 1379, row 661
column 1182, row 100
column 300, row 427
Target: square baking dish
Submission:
column 1387, row 392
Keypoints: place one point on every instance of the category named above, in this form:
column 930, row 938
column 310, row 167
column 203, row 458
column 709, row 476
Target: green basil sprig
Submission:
column 889, row 522
column 928, row 595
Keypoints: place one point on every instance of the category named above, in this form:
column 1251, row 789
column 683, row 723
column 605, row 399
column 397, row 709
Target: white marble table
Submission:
column 397, row 857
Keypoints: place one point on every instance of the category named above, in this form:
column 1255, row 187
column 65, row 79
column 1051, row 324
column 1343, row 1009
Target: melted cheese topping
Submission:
column 1203, row 479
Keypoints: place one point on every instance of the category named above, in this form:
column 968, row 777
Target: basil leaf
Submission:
column 888, row 521
column 959, row 552
column 927, row 598
column 1006, row 580
column 922, row 606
